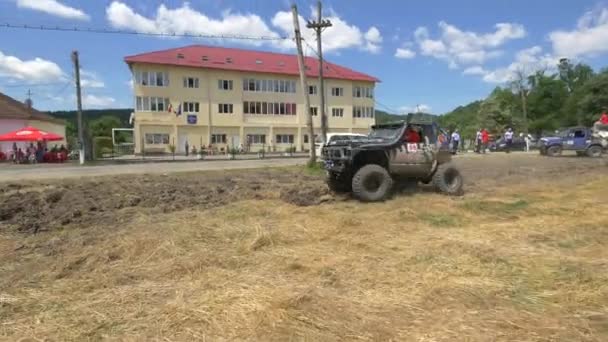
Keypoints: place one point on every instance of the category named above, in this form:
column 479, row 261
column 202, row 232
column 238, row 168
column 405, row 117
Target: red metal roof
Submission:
column 212, row 57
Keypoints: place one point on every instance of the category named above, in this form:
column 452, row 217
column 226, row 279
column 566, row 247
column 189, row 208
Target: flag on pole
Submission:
column 179, row 110
column 170, row 108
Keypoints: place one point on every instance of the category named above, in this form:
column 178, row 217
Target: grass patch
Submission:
column 440, row 220
column 494, row 207
column 314, row 169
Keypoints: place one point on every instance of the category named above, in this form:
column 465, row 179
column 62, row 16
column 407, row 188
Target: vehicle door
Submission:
column 577, row 139
column 411, row 159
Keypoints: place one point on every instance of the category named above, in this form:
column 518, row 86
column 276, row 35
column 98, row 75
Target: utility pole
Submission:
column 296, row 25
column 79, row 106
column 318, row 26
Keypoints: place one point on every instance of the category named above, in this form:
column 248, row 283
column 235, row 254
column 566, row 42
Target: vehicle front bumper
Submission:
column 338, row 166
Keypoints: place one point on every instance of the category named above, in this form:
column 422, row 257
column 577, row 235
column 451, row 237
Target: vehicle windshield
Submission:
column 384, row 133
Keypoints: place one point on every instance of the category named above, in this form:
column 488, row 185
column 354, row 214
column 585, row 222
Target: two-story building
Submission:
column 224, row 97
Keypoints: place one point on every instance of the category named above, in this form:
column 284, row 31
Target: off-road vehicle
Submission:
column 371, row 167
column 584, row 141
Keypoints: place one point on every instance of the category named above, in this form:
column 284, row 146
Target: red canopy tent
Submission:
column 30, row 134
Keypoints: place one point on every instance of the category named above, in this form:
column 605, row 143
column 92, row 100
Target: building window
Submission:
column 225, row 108
column 218, row 138
column 363, row 112
column 191, row 107
column 337, row 112
column 157, row 139
column 276, row 86
column 256, row 138
column 314, row 111
column 284, row 139
column 151, row 104
column 190, row 82
column 312, row 90
column 336, row 91
column 152, row 78
column 269, row 108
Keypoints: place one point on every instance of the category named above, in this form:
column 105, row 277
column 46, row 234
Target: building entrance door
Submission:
column 181, row 142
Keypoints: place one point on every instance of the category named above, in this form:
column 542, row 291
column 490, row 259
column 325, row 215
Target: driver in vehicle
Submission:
column 411, row 135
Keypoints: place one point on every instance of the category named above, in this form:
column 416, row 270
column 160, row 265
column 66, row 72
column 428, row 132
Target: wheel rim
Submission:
column 452, row 179
column 372, row 182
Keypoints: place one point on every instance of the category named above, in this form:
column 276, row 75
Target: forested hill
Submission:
column 122, row 114
column 541, row 102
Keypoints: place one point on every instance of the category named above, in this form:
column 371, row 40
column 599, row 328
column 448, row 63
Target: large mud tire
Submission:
column 448, row 180
column 372, row 183
column 338, row 183
column 554, row 151
column 594, row 151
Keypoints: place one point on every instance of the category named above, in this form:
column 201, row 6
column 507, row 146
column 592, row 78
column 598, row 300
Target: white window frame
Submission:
column 256, row 139
column 285, row 139
column 225, row 108
column 222, row 138
column 337, row 112
column 157, row 138
column 337, row 91
column 191, row 107
column 312, row 89
column 314, row 111
column 191, row 82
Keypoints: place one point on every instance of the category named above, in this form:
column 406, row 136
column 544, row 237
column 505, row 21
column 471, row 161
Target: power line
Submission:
column 31, row 85
column 138, row 33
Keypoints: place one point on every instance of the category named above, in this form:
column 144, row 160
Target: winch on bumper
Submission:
column 336, row 159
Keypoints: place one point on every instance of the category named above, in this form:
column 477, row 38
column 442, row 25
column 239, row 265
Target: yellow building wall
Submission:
column 210, row 96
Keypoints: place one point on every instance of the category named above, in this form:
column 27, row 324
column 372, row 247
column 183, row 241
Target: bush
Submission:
column 291, row 149
column 102, row 145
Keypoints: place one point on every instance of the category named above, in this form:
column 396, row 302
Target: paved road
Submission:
column 16, row 173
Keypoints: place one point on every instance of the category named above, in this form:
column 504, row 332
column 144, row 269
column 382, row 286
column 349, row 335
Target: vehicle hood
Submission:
column 358, row 142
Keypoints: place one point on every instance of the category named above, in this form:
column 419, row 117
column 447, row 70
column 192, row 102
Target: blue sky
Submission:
column 438, row 54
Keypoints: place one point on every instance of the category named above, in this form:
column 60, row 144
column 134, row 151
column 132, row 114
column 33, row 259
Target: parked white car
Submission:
column 334, row 137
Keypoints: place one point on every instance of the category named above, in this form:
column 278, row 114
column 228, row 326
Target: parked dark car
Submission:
column 500, row 145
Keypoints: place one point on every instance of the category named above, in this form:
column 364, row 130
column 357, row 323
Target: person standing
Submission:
column 187, row 148
column 455, row 141
column 509, row 139
column 485, row 139
column 528, row 139
column 604, row 118
column 478, row 141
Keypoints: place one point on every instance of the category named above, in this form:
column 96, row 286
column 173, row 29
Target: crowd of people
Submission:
column 37, row 153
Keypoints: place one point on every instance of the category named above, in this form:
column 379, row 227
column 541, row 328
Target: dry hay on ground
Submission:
column 524, row 262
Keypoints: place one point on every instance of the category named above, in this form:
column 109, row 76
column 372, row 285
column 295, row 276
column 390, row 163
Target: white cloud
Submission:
column 527, row 61
column 421, row 108
column 90, row 79
column 185, row 20
column 373, row 40
column 405, row 53
column 590, row 38
column 92, row 101
column 458, row 47
column 341, row 35
column 475, row 70
column 53, row 7
column 36, row 70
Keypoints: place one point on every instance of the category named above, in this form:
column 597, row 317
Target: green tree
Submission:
column 546, row 99
column 102, row 127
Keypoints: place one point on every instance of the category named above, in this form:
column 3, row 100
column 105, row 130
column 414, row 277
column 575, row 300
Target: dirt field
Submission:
column 272, row 255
